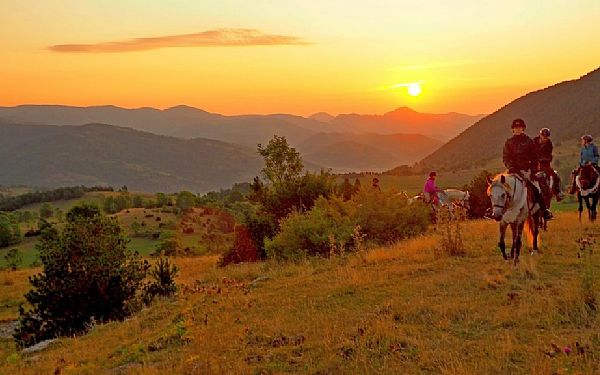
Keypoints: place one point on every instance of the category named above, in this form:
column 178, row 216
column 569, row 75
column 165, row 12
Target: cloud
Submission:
column 398, row 85
column 209, row 38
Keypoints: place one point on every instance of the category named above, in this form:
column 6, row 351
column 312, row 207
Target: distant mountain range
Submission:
column 393, row 146
column 366, row 152
column 51, row 156
column 570, row 109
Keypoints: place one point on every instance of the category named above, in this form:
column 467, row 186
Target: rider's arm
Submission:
column 595, row 154
column 506, row 156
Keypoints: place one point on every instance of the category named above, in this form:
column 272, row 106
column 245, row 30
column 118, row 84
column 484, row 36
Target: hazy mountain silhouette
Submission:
column 322, row 116
column 407, row 121
column 247, row 130
column 43, row 155
column 371, row 152
column 569, row 109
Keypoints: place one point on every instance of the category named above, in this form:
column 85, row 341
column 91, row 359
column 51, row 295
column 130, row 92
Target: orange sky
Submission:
column 292, row 56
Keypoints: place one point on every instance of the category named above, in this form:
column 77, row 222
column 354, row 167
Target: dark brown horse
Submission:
column 587, row 181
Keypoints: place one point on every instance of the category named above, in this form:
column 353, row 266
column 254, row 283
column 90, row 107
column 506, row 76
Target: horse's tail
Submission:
column 529, row 230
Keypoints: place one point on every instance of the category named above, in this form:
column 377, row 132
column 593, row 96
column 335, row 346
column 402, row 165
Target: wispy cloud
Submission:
column 209, row 38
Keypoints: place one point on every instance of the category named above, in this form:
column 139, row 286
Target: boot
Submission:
column 546, row 213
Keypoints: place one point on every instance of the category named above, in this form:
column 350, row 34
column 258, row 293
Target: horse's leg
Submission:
column 580, row 208
column 594, row 205
column 518, row 241
column 513, row 228
column 535, row 220
column 501, row 243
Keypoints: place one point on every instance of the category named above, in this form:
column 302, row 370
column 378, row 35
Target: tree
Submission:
column 347, row 190
column 185, row 200
column 46, row 211
column 88, row 273
column 161, row 199
column 479, row 202
column 357, row 186
column 10, row 234
column 282, row 162
column 137, row 201
column 110, row 205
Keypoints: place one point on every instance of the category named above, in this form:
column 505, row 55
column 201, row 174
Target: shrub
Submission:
column 385, row 217
column 479, row 202
column 450, row 225
column 163, row 283
column 329, row 224
column 88, row 274
column 13, row 259
column 10, row 234
column 242, row 250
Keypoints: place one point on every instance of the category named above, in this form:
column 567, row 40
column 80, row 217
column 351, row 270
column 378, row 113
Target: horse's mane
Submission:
column 496, row 181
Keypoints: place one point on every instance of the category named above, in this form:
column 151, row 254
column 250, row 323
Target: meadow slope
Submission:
column 405, row 309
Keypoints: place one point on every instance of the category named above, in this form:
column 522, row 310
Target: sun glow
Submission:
column 414, row 89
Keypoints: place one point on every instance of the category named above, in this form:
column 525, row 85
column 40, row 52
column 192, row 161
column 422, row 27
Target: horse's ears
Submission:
column 502, row 179
column 489, row 180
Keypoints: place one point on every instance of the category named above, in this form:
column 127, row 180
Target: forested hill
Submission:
column 569, row 109
column 95, row 154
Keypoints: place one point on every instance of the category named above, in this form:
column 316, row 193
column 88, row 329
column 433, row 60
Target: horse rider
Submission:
column 520, row 157
column 375, row 184
column 544, row 148
column 588, row 155
column 430, row 190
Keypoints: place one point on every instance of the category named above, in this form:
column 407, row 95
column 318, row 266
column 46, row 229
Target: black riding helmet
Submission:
column 518, row 123
column 545, row 132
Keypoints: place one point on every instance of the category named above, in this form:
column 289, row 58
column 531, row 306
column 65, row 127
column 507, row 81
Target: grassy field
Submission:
column 405, row 309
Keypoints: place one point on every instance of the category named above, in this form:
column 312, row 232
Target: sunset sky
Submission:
column 293, row 56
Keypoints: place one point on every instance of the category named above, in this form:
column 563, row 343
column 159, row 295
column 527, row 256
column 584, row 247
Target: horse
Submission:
column 455, row 198
column 514, row 204
column 548, row 187
column 587, row 181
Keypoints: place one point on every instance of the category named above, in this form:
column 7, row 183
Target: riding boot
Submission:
column 540, row 200
column 557, row 188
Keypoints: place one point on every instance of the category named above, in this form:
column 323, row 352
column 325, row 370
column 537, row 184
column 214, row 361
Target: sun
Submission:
column 414, row 89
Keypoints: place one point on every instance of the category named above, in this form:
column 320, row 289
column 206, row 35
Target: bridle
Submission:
column 508, row 198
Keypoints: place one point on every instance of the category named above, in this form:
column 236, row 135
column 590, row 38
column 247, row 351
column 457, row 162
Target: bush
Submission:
column 479, row 202
column 385, row 217
column 10, row 234
column 88, row 275
column 243, row 249
column 450, row 228
column 13, row 259
column 163, row 283
column 329, row 225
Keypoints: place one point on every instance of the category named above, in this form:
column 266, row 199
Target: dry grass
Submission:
column 402, row 309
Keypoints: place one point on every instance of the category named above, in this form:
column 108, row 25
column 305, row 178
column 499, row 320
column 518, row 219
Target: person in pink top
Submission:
column 430, row 190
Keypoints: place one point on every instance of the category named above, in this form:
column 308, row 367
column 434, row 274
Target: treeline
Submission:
column 8, row 203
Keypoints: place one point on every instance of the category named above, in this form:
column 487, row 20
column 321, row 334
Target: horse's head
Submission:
column 499, row 193
column 587, row 176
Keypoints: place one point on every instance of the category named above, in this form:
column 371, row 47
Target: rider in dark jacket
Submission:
column 520, row 156
column 544, row 147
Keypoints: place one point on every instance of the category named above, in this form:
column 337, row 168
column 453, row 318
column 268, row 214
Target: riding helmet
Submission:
column 545, row 132
column 432, row 173
column 518, row 123
column 587, row 138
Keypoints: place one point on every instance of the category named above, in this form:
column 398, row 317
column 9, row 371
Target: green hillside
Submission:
column 51, row 156
column 569, row 109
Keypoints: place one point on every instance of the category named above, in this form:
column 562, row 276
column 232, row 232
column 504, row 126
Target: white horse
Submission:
column 455, row 198
column 514, row 204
